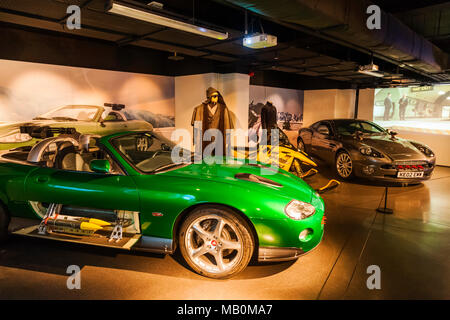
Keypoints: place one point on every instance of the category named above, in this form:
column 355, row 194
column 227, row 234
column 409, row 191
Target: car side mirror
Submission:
column 100, row 166
column 323, row 130
column 392, row 133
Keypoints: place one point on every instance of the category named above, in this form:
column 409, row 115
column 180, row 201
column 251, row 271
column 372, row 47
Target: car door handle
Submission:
column 42, row 179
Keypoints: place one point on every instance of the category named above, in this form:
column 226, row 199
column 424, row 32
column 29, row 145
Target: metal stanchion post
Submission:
column 385, row 210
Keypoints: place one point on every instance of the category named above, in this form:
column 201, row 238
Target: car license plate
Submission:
column 410, row 174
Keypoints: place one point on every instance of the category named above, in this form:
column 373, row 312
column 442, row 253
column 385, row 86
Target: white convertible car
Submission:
column 86, row 119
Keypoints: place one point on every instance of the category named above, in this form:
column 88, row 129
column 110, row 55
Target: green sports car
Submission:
column 126, row 191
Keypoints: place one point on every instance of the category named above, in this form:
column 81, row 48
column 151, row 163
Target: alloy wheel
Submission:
column 214, row 244
column 344, row 165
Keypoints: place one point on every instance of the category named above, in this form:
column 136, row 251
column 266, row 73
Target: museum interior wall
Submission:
column 328, row 104
column 365, row 104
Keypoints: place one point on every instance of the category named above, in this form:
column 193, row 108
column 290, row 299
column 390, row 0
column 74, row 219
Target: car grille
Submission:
column 417, row 165
column 411, row 163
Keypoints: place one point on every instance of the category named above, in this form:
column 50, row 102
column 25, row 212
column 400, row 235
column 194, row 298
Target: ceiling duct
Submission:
column 345, row 20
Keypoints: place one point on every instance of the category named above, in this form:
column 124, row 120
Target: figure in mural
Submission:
column 213, row 114
column 402, row 104
column 387, row 107
column 287, row 121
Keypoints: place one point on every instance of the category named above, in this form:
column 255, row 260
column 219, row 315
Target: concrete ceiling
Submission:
column 297, row 52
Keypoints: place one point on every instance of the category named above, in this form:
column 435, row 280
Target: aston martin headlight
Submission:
column 299, row 210
column 15, row 138
column 368, row 151
column 426, row 151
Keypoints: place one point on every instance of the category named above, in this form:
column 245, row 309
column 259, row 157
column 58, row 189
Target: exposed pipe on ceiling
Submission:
column 344, row 22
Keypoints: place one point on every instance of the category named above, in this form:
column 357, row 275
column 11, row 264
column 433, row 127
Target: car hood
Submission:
column 396, row 148
column 291, row 187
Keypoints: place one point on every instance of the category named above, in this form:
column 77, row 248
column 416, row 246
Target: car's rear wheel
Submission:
column 4, row 222
column 344, row 165
column 216, row 242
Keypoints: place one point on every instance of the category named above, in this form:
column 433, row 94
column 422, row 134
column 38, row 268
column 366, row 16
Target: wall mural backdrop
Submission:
column 422, row 109
column 289, row 105
column 36, row 91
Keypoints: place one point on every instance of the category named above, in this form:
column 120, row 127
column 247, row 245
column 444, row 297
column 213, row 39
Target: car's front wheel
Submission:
column 344, row 165
column 216, row 242
column 4, row 222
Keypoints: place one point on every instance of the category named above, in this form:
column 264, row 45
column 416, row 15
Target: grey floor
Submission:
column 411, row 248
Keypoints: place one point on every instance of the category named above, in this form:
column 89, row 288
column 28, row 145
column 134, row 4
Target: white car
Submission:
column 86, row 119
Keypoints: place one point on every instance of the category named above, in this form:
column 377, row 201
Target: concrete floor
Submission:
column 411, row 247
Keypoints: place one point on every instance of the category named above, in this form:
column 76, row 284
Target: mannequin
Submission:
column 213, row 114
column 269, row 118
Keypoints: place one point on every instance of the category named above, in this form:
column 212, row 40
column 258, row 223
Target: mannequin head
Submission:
column 214, row 99
column 212, row 96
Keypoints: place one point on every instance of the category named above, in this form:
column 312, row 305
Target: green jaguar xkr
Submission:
column 125, row 191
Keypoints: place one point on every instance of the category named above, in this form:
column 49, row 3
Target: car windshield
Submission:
column 149, row 152
column 350, row 127
column 71, row 113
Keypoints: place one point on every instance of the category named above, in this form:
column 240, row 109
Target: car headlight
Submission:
column 368, row 151
column 299, row 210
column 426, row 151
column 16, row 138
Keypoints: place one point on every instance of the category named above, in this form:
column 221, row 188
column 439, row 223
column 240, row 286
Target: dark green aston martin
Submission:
column 125, row 191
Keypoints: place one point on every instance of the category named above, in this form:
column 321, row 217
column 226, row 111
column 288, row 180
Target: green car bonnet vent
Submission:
column 262, row 167
column 257, row 179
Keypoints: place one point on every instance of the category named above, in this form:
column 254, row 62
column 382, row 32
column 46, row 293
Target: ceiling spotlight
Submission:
column 143, row 13
column 174, row 57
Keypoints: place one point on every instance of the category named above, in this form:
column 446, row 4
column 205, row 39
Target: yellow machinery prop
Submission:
column 289, row 159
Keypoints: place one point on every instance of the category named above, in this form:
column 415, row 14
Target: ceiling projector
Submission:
column 370, row 69
column 259, row 40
